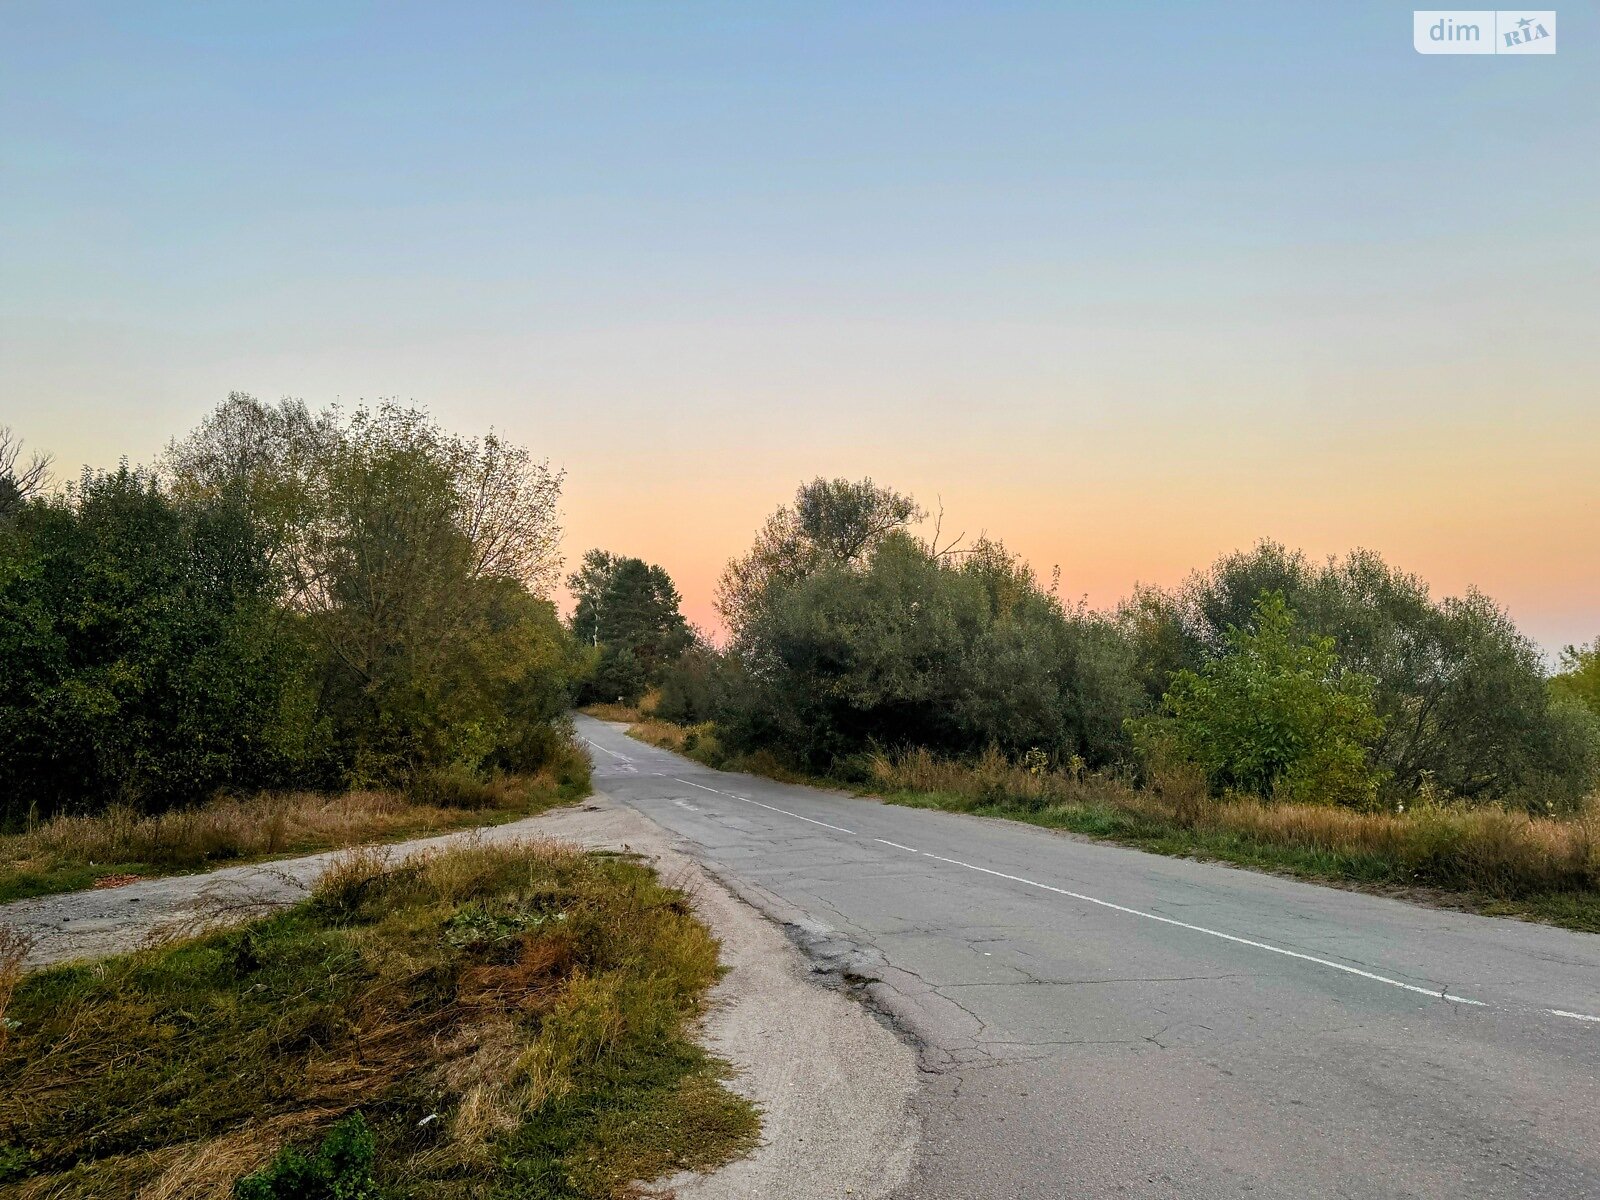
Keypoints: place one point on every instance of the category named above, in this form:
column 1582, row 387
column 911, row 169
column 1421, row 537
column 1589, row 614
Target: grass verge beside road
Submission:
column 1485, row 859
column 70, row 853
column 484, row 1021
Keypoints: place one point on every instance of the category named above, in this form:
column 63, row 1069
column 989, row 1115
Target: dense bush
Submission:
column 145, row 661
column 298, row 600
column 695, row 687
column 1460, row 691
column 912, row 649
column 1275, row 716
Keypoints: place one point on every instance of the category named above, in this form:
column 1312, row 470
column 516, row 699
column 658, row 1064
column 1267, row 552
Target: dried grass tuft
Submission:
column 1484, row 849
column 15, row 945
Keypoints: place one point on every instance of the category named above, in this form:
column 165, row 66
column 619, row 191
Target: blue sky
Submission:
column 1127, row 285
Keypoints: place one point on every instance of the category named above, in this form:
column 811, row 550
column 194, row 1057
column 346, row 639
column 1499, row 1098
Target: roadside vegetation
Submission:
column 300, row 629
column 68, row 853
column 1333, row 720
column 489, row 1021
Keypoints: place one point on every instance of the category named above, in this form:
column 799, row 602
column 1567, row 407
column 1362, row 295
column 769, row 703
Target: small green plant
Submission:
column 14, row 1162
column 340, row 1170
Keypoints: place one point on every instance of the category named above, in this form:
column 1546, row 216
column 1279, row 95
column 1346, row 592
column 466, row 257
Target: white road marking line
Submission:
column 1135, row 912
column 1216, row 933
column 613, row 753
column 768, row 807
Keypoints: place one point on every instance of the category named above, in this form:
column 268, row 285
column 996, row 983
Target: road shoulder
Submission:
column 833, row 1083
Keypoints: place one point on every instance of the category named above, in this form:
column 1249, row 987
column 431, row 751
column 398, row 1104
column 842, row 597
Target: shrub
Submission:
column 909, row 649
column 341, row 1169
column 1274, row 717
column 1460, row 690
column 695, row 687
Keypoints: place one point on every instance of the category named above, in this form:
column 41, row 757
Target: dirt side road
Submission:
column 834, row 1084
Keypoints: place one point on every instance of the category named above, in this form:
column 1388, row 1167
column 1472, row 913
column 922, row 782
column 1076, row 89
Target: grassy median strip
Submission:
column 70, row 853
column 487, row 1021
column 1484, row 858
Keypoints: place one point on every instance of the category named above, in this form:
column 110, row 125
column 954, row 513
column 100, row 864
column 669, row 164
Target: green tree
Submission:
column 412, row 616
column 629, row 609
column 140, row 658
column 832, row 523
column 414, row 563
column 912, row 649
column 588, row 587
column 1579, row 677
column 1460, row 690
column 1275, row 715
column 278, row 461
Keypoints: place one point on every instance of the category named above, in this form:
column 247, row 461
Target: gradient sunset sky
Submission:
column 1126, row 285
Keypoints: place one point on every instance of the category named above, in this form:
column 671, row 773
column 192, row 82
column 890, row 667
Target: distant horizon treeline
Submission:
column 1269, row 675
column 289, row 598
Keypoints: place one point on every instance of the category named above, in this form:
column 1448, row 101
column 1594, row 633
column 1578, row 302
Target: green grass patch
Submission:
column 507, row 1021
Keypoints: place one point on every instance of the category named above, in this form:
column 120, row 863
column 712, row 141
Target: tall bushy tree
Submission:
column 831, row 523
column 279, row 461
column 628, row 611
column 911, row 649
column 420, row 602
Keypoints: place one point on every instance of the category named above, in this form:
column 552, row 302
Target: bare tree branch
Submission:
column 19, row 481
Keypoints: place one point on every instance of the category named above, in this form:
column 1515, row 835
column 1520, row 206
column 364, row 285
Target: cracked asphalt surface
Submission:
column 1094, row 1021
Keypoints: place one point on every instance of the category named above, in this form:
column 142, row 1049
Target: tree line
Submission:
column 299, row 598
column 1270, row 675
column 289, row 598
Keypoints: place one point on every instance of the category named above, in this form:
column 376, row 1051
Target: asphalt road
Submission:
column 1095, row 1021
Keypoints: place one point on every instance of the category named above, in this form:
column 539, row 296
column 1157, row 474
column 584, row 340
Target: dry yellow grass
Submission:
column 1484, row 849
column 644, row 710
column 69, row 852
column 14, row 947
